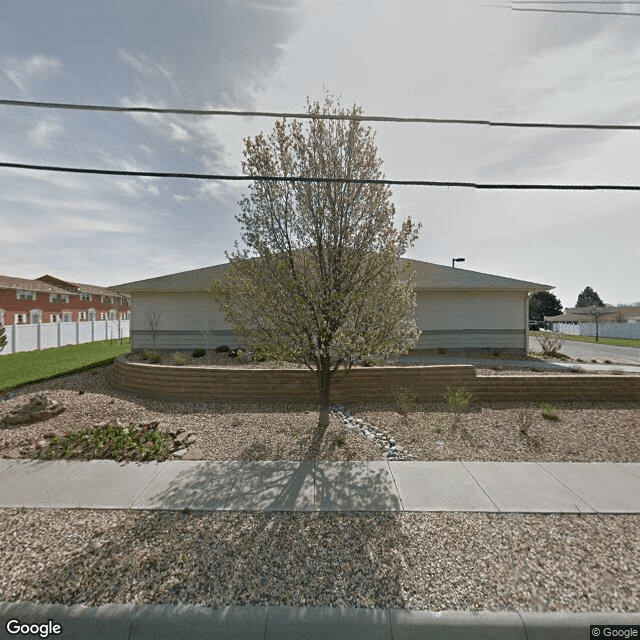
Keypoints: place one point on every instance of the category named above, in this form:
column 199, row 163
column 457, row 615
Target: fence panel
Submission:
column 605, row 329
column 30, row 337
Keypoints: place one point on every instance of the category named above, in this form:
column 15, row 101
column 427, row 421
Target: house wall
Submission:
column 467, row 320
column 463, row 320
column 185, row 317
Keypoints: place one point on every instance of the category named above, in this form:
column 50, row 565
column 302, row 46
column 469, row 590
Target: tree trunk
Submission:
column 596, row 330
column 324, row 380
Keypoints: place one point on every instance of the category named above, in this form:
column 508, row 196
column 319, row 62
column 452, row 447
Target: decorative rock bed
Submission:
column 380, row 439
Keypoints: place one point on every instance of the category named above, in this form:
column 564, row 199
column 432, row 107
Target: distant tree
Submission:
column 595, row 312
column 318, row 282
column 3, row 338
column 544, row 303
column 589, row 298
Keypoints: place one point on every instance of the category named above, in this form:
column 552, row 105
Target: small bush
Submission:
column 340, row 440
column 152, row 356
column 525, row 418
column 549, row 412
column 111, row 441
column 178, row 358
column 550, row 343
column 458, row 400
column 405, row 401
column 223, row 348
column 199, row 353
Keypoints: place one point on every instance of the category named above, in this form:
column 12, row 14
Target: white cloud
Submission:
column 22, row 71
column 144, row 65
column 593, row 80
column 43, row 131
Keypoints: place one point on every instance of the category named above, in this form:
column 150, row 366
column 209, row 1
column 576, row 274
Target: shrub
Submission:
column 199, row 353
column 549, row 412
column 223, row 348
column 111, row 441
column 550, row 343
column 405, row 401
column 458, row 400
column 152, row 356
column 178, row 358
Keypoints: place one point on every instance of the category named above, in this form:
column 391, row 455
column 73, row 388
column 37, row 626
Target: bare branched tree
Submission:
column 595, row 312
column 317, row 282
column 152, row 322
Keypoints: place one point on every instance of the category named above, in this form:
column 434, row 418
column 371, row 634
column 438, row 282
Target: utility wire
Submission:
column 244, row 178
column 596, row 13
column 317, row 116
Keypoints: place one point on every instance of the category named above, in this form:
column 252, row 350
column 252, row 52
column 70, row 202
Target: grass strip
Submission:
column 616, row 342
column 17, row 369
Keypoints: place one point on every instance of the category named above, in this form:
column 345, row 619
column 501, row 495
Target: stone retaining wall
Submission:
column 428, row 383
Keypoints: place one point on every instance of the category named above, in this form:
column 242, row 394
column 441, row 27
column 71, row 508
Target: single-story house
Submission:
column 456, row 309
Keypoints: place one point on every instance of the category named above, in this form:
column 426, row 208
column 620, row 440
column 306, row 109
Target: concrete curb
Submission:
column 175, row 622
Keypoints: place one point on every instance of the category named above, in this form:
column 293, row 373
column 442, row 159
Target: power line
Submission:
column 546, row 10
column 245, row 178
column 318, row 116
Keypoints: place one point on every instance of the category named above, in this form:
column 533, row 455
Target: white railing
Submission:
column 605, row 329
column 34, row 337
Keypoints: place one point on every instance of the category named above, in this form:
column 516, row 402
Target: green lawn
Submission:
column 619, row 342
column 17, row 369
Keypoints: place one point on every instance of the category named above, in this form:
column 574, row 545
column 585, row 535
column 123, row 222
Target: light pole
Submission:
column 454, row 260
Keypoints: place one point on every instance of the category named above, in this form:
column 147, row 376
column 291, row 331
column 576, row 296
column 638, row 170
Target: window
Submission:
column 82, row 315
column 84, row 295
column 20, row 318
column 112, row 314
column 64, row 298
column 26, row 295
column 66, row 317
column 102, row 315
column 54, row 317
column 1, row 316
column 92, row 314
column 101, row 299
column 53, row 297
column 36, row 316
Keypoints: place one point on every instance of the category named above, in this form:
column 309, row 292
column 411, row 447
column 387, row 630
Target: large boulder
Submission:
column 40, row 407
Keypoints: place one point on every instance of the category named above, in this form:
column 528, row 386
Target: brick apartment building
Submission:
column 50, row 299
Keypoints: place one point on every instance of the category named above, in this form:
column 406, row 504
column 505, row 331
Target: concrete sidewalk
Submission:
column 522, row 487
column 182, row 622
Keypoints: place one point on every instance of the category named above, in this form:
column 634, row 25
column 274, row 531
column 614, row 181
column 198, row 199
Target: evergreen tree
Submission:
column 589, row 298
column 544, row 303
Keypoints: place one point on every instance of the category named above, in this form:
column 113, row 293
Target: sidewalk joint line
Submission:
column 568, row 489
column 479, row 485
column 395, row 484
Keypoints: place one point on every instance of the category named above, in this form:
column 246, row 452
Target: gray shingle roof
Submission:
column 428, row 276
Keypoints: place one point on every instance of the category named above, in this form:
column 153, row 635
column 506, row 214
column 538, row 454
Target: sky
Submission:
column 454, row 59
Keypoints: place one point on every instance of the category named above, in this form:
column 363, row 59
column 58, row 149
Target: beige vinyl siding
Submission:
column 472, row 320
column 184, row 314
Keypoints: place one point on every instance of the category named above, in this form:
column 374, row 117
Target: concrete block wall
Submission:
column 427, row 384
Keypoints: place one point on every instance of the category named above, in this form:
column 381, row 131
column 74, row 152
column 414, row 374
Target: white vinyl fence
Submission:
column 33, row 337
column 605, row 329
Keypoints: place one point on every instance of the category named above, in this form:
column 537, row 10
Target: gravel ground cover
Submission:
column 429, row 561
column 278, row 431
column 415, row 560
